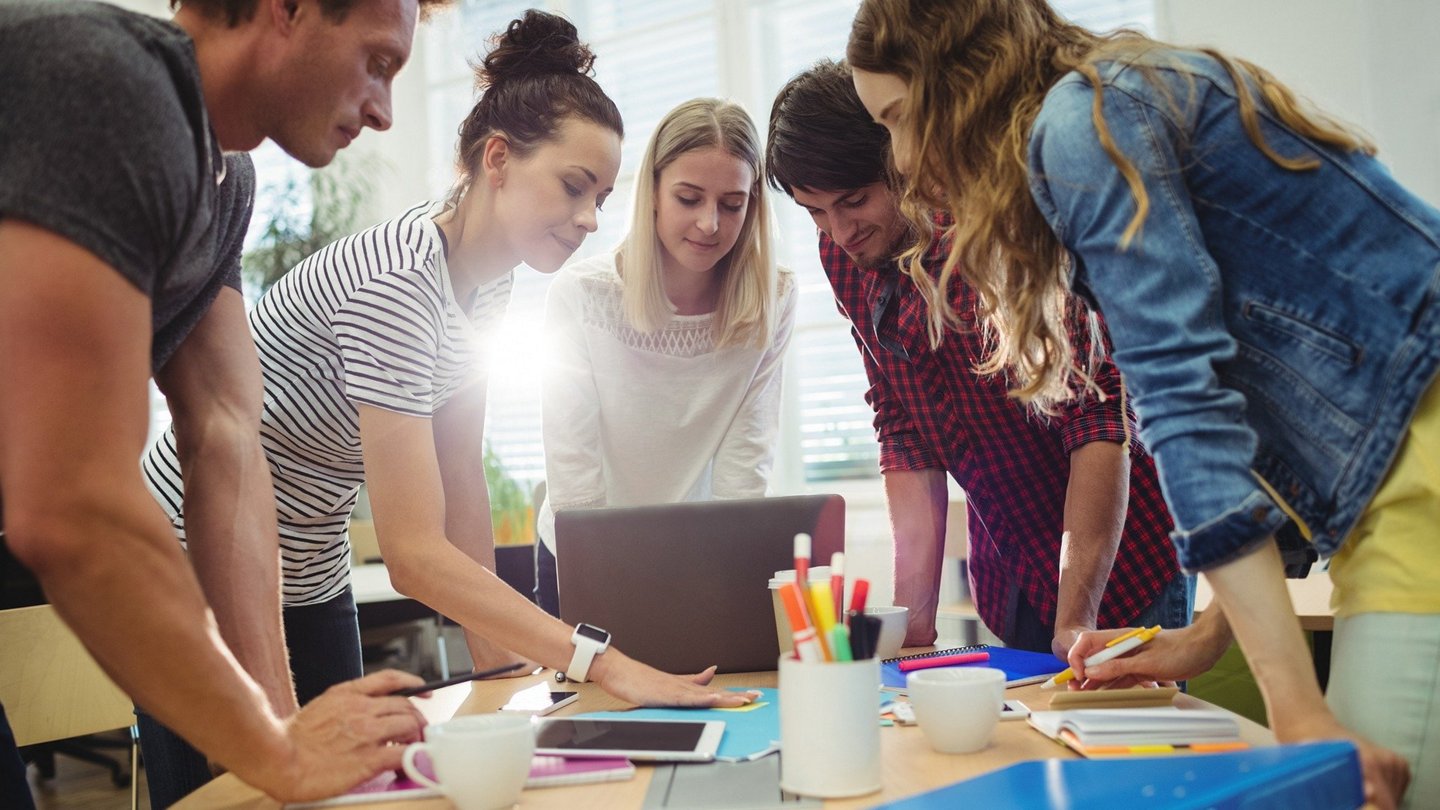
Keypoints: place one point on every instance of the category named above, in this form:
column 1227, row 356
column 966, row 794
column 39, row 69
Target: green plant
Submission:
column 511, row 513
column 307, row 212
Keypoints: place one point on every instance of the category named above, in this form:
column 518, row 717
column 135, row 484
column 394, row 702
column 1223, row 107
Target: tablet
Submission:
column 648, row 740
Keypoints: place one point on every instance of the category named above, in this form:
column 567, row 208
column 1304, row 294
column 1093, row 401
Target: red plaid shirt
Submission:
column 933, row 412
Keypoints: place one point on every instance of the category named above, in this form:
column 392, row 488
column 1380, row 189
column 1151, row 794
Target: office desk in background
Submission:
column 910, row 766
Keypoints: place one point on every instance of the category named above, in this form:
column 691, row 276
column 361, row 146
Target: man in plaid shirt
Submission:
column 1027, row 477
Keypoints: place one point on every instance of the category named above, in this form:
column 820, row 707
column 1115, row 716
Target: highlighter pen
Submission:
column 840, row 642
column 821, row 613
column 912, row 664
column 1115, row 648
column 807, row 645
column 837, row 583
column 858, row 595
column 859, row 650
column 412, row 691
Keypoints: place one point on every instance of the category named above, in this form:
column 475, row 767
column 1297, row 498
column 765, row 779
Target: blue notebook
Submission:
column 1322, row 774
column 1020, row 666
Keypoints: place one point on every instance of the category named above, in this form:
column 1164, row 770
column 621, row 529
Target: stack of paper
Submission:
column 1122, row 732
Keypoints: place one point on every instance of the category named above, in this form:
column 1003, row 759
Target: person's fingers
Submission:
column 381, row 683
column 703, row 678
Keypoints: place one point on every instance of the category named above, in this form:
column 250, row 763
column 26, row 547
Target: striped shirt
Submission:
column 370, row 319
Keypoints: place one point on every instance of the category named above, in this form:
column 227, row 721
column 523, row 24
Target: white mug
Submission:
column 957, row 707
column 481, row 761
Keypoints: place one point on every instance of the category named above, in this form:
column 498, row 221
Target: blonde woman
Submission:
column 664, row 385
column 1270, row 290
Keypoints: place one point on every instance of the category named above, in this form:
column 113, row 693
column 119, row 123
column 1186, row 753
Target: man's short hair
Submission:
column 235, row 12
column 821, row 138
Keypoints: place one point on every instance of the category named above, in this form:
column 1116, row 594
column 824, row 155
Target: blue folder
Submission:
column 1020, row 666
column 1283, row 777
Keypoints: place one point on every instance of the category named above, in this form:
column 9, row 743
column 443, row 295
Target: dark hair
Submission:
column 235, row 12
column 821, row 138
column 537, row 73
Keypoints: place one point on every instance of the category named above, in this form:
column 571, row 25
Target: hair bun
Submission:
column 537, row 44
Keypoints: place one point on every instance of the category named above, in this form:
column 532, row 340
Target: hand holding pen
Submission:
column 1114, row 648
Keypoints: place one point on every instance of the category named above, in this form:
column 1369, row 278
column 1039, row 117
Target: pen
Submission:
column 912, row 664
column 469, row 676
column 822, row 612
column 1115, row 648
column 840, row 642
column 807, row 646
column 858, row 595
column 837, row 582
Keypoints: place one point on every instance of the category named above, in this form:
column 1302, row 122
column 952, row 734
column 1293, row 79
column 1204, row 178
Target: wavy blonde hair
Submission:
column 977, row 73
column 746, row 309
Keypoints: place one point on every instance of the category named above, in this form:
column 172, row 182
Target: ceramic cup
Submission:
column 893, row 621
column 830, row 728
column 957, row 707
column 480, row 761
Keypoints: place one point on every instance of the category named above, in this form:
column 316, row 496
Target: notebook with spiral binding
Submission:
column 1020, row 666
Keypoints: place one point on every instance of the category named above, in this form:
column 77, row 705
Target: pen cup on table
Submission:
column 782, row 623
column 829, row 728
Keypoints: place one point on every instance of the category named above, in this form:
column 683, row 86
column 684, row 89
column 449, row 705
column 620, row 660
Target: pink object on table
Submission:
column 911, row 664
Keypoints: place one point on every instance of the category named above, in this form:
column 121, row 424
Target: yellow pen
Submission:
column 1115, row 648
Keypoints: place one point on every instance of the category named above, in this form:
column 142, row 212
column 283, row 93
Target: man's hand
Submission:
column 1065, row 638
column 352, row 732
column 1386, row 773
column 634, row 682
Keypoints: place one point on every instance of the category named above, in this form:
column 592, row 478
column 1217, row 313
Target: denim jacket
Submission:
column 1276, row 328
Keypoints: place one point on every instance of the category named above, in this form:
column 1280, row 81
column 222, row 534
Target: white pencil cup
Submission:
column 830, row 728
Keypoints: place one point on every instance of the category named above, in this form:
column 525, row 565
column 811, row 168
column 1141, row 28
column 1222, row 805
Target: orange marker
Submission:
column 807, row 644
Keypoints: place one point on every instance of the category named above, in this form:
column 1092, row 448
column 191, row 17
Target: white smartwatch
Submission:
column 589, row 642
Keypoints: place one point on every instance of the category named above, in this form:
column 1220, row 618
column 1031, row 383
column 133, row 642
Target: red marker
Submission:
column 837, row 582
column 802, row 560
column 858, row 595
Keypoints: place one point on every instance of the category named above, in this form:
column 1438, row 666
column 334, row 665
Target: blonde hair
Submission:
column 977, row 73
column 746, row 309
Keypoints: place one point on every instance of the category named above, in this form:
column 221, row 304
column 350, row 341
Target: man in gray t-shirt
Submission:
column 121, row 219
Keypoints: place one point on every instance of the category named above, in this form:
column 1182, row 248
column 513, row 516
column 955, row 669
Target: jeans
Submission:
column 14, row 789
column 1172, row 609
column 547, row 587
column 324, row 644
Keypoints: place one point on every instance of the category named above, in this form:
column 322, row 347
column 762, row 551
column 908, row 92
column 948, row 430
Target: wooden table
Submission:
column 909, row 765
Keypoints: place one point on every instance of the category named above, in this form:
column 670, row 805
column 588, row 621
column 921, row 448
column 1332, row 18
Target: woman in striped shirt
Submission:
column 368, row 352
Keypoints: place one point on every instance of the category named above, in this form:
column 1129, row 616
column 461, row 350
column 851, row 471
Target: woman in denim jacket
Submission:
column 1269, row 290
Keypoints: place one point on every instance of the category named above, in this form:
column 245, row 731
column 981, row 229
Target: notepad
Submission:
column 1132, row 732
column 1020, row 666
column 1137, row 697
column 546, row 771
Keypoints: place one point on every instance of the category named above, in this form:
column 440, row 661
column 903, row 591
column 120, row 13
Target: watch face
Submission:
column 592, row 632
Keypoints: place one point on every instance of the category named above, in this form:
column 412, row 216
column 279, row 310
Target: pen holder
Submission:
column 830, row 728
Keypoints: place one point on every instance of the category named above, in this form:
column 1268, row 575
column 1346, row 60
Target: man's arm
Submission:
column 213, row 387
column 1096, row 500
column 918, row 501
column 460, row 447
column 74, row 365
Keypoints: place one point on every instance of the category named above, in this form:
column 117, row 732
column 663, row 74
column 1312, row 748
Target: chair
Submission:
column 53, row 690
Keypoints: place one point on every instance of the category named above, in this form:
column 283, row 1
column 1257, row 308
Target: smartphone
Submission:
column 539, row 700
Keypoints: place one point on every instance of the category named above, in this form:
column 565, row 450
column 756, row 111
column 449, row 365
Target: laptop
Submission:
column 684, row 586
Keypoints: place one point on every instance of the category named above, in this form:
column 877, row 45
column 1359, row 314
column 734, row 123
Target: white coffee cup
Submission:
column 893, row 623
column 481, row 761
column 957, row 707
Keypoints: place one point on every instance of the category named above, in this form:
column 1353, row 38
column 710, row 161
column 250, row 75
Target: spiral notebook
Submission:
column 1020, row 666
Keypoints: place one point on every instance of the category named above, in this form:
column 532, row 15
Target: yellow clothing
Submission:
column 1391, row 562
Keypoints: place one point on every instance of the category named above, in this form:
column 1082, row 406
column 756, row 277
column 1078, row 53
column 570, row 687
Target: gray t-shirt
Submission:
column 104, row 140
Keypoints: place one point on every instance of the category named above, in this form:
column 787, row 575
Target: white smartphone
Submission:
column 539, row 700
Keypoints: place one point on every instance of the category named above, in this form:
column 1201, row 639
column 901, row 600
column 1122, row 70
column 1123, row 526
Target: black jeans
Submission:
column 1172, row 609
column 324, row 643
column 14, row 789
column 547, row 587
